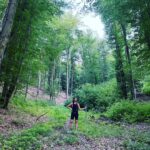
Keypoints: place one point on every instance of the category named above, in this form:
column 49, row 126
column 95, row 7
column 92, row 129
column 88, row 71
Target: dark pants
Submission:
column 74, row 115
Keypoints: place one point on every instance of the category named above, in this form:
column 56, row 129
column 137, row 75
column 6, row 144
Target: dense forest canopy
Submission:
column 45, row 48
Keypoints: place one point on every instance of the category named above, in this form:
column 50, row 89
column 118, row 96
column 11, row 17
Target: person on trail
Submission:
column 74, row 106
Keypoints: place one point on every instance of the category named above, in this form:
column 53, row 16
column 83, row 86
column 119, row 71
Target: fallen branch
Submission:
column 40, row 116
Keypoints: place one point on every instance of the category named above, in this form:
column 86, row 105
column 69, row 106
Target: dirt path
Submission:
column 61, row 140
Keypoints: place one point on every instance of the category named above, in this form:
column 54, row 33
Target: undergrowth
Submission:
column 57, row 117
column 137, row 140
column 27, row 139
column 129, row 111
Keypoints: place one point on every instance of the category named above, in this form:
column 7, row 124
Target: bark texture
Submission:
column 7, row 24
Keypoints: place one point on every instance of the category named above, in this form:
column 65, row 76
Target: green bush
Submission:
column 146, row 85
column 129, row 111
column 67, row 102
column 97, row 97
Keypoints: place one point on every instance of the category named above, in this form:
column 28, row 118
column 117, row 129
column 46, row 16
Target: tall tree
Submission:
column 7, row 24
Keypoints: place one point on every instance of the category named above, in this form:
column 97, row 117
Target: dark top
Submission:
column 75, row 108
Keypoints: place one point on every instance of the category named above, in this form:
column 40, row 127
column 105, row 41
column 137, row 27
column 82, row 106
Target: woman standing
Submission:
column 75, row 107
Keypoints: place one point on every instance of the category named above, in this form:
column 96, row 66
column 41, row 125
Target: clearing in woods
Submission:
column 24, row 122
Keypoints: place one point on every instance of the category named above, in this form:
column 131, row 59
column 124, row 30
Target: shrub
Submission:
column 146, row 85
column 67, row 102
column 97, row 97
column 129, row 111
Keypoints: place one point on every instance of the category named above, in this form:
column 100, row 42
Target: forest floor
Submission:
column 22, row 122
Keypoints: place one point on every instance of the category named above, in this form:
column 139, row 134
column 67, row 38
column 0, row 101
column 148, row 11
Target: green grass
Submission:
column 58, row 116
column 27, row 139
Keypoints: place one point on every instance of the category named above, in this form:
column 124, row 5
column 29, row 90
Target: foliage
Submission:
column 97, row 66
column 129, row 111
column 127, row 23
column 146, row 85
column 27, row 139
column 30, row 41
column 59, row 116
column 30, row 138
column 137, row 140
column 98, row 97
column 68, row 101
column 71, row 139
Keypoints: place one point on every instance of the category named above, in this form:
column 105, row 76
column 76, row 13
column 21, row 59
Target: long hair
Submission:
column 73, row 100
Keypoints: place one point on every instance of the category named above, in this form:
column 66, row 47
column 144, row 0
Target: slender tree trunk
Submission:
column 44, row 79
column 59, row 76
column 26, row 90
column 51, row 80
column 131, row 84
column 120, row 75
column 104, row 65
column 39, row 84
column 67, row 73
column 72, row 76
column 4, row 92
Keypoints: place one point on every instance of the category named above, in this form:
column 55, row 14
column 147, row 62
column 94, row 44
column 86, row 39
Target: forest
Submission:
column 49, row 57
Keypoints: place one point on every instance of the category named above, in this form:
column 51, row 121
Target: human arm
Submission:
column 81, row 108
column 69, row 106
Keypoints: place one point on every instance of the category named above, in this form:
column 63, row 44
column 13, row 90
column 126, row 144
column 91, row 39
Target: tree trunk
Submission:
column 72, row 75
column 44, row 79
column 16, row 52
column 67, row 73
column 4, row 92
column 120, row 75
column 39, row 84
column 9, row 92
column 51, row 77
column 104, row 65
column 131, row 85
column 26, row 90
column 7, row 24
